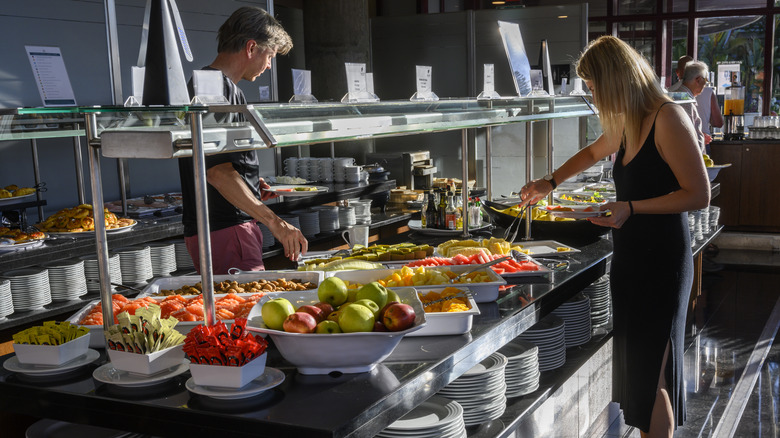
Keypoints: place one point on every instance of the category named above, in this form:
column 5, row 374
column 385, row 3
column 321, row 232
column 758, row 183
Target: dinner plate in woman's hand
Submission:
column 576, row 211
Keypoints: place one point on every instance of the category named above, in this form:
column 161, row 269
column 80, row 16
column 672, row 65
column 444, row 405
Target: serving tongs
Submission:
column 552, row 264
column 516, row 220
column 461, row 294
column 478, row 267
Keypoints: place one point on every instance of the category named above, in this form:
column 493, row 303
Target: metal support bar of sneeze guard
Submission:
column 37, row 175
column 202, row 216
column 489, row 158
column 100, row 221
column 550, row 160
column 464, row 186
column 528, row 176
column 251, row 116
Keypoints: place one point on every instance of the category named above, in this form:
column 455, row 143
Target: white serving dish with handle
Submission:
column 484, row 292
column 316, row 353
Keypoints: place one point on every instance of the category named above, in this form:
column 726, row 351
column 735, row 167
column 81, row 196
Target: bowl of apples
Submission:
column 334, row 329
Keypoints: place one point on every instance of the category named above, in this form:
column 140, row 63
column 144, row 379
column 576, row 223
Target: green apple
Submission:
column 370, row 304
column 392, row 296
column 275, row 311
column 328, row 327
column 356, row 318
column 333, row 291
column 373, row 291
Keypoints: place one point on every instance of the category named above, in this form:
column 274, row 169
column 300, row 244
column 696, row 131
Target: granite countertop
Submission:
column 346, row 405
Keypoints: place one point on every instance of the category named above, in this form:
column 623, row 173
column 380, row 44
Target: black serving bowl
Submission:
column 576, row 232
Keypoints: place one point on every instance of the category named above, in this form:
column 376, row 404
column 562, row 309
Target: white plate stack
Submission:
column 480, row 390
column 352, row 174
column 522, row 369
column 309, row 221
column 437, row 417
column 268, row 239
column 6, row 302
column 67, row 279
column 549, row 335
column 600, row 302
column 29, row 288
column 291, row 166
column 576, row 316
column 362, row 210
column 339, row 168
column 326, row 169
column 329, row 217
column 346, row 217
column 163, row 256
column 136, row 264
column 183, row 259
column 92, row 273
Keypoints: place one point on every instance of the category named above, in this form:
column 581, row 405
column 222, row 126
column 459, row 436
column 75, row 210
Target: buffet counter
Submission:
column 347, row 405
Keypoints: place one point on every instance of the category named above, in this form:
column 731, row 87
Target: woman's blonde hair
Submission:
column 626, row 88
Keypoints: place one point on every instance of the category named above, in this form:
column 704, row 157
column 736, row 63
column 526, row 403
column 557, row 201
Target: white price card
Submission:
column 265, row 93
column 518, row 59
column 50, row 76
column 301, row 82
column 489, row 79
column 356, row 77
column 424, row 73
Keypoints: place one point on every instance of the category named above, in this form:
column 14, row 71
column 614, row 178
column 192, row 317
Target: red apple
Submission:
column 326, row 308
column 398, row 317
column 316, row 312
column 300, row 322
column 379, row 327
column 381, row 314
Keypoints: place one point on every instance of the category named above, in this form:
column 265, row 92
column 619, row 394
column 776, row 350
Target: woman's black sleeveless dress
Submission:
column 650, row 279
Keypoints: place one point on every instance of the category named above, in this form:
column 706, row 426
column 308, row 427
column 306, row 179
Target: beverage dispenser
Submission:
column 734, row 113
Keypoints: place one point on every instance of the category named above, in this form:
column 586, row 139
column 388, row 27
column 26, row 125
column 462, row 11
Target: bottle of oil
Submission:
column 442, row 210
column 451, row 213
column 431, row 217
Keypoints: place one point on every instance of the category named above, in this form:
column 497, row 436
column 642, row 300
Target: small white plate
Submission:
column 12, row 364
column 91, row 232
column 416, row 225
column 289, row 190
column 577, row 211
column 108, row 374
column 545, row 248
column 271, row 378
column 14, row 199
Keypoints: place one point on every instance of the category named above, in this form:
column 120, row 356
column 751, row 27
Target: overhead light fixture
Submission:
column 563, row 16
column 498, row 2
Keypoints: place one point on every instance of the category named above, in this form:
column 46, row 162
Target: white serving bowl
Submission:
column 448, row 323
column 314, row 353
column 146, row 364
column 52, row 354
column 223, row 376
column 713, row 171
column 482, row 292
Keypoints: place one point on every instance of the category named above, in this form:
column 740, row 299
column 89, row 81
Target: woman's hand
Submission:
column 534, row 191
column 621, row 211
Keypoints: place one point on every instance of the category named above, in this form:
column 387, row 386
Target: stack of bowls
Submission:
column 339, row 168
column 291, row 167
column 347, row 217
column 362, row 210
column 6, row 301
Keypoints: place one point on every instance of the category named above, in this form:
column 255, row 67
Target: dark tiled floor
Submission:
column 738, row 297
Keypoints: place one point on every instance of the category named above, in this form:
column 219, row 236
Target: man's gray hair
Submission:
column 694, row 69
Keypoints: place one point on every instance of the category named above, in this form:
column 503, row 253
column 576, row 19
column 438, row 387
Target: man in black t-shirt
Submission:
column 247, row 42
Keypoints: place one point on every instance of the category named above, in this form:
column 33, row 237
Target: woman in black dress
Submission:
column 659, row 176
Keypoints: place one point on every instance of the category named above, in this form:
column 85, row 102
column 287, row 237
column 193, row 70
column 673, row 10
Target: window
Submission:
column 716, row 5
column 641, row 36
column 736, row 39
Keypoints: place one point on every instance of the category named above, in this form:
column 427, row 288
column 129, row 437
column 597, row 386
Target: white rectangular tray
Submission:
column 545, row 248
column 482, row 292
column 173, row 283
column 447, row 323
